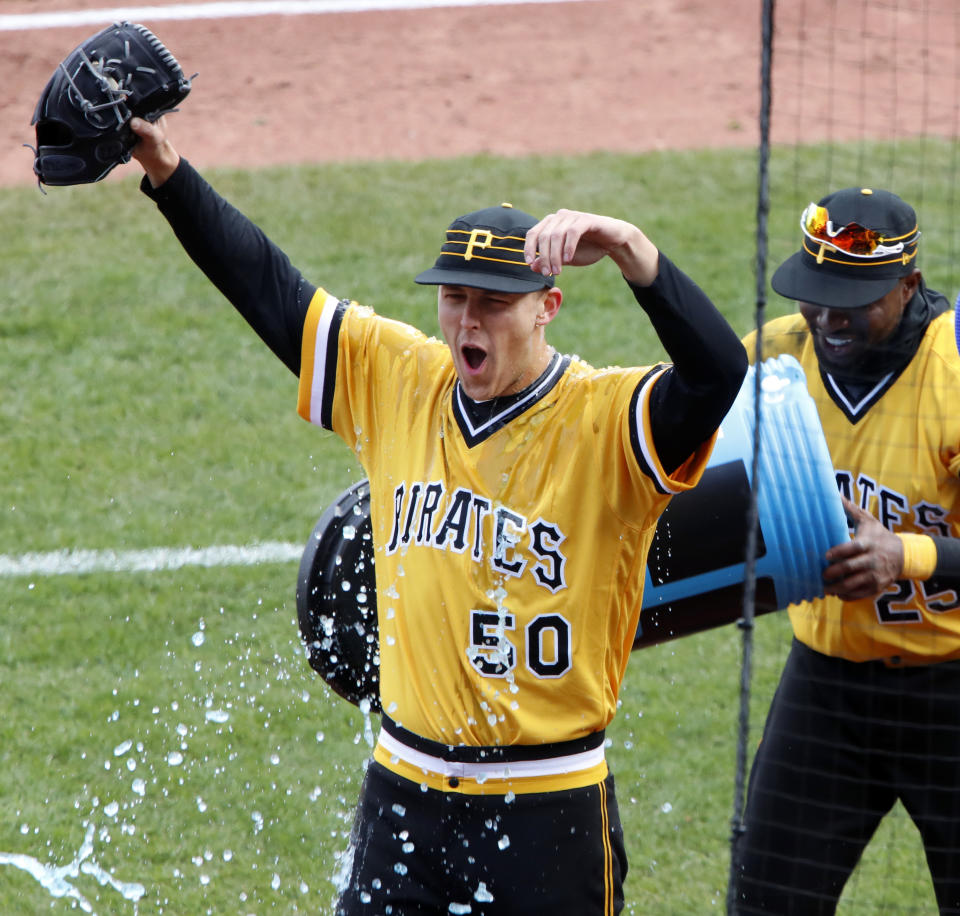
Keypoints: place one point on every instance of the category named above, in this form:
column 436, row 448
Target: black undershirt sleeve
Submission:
column 947, row 571
column 238, row 258
column 709, row 364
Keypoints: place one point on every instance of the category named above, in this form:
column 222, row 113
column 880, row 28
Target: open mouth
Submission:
column 836, row 350
column 473, row 357
column 837, row 345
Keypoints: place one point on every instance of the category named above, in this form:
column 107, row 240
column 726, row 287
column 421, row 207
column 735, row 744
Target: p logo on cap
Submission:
column 484, row 249
column 474, row 241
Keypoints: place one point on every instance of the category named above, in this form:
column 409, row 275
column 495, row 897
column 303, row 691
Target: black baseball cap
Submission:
column 485, row 249
column 857, row 244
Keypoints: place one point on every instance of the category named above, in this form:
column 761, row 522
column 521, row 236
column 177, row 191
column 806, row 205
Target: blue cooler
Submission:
column 696, row 566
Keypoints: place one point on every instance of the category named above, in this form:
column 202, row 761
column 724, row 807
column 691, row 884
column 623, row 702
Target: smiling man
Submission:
column 866, row 713
column 514, row 493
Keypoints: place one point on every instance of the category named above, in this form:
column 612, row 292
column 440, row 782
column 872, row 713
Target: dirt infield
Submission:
column 511, row 79
column 614, row 75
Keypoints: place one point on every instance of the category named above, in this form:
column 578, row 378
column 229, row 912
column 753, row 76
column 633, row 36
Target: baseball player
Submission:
column 868, row 707
column 513, row 495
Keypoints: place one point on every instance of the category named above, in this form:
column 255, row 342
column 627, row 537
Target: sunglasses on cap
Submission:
column 853, row 239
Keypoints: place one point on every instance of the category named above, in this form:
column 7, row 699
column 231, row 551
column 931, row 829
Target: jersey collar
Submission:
column 478, row 420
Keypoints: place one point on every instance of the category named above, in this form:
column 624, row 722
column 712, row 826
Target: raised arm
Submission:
column 571, row 237
column 709, row 362
column 237, row 257
column 154, row 151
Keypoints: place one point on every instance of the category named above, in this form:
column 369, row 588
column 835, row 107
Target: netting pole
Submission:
column 746, row 622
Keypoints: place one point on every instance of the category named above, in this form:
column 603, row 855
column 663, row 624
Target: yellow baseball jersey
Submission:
column 510, row 548
column 896, row 453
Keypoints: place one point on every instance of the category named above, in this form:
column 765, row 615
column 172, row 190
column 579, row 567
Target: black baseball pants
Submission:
column 421, row 851
column 843, row 742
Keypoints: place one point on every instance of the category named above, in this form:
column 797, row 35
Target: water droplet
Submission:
column 482, row 895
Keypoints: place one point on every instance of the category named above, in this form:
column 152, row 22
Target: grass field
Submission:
column 169, row 719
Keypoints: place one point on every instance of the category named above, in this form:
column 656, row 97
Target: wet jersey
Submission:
column 510, row 536
column 510, row 548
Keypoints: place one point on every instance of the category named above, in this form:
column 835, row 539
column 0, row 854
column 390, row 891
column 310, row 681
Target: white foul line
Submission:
column 71, row 562
column 14, row 22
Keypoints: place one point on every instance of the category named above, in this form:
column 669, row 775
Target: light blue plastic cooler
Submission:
column 696, row 568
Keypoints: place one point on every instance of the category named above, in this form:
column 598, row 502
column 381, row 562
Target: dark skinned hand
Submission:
column 867, row 565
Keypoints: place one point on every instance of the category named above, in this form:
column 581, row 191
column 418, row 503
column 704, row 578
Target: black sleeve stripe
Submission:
column 635, row 424
column 330, row 364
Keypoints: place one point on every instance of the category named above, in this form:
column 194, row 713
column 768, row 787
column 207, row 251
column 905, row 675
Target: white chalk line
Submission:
column 73, row 562
column 13, row 22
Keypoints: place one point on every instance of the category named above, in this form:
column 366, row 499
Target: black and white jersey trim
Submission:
column 322, row 379
column 852, row 409
column 642, row 448
column 478, row 420
column 330, row 364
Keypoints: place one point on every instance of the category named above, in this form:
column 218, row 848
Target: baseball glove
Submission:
column 83, row 116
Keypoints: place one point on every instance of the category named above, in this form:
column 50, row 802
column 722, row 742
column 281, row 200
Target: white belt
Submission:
column 547, row 766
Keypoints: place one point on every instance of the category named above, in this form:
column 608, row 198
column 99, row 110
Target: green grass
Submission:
column 140, row 411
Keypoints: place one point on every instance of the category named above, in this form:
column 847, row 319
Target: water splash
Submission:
column 174, row 753
column 368, row 735
column 55, row 878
